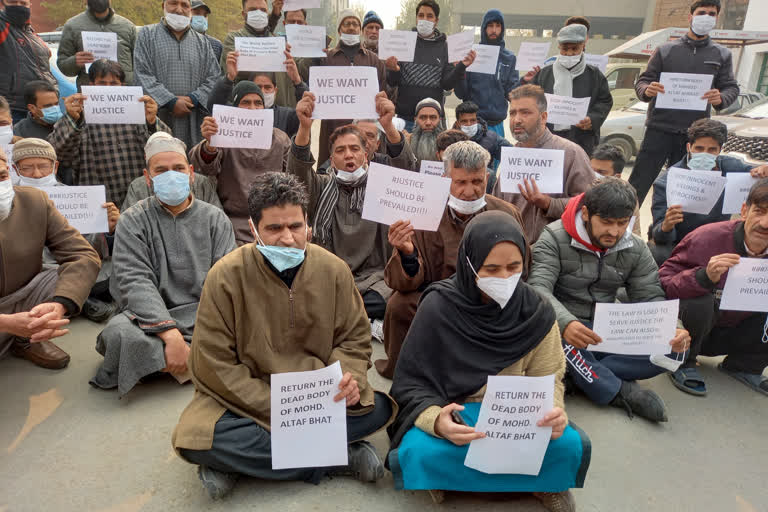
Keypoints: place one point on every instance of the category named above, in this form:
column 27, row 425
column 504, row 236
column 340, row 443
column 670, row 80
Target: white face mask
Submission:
column 471, row 130
column 258, row 19
column 350, row 39
column 667, row 363
column 6, row 198
column 497, row 288
column 177, row 21
column 702, row 25
column 47, row 181
column 269, row 99
column 6, row 134
column 569, row 61
column 351, row 177
column 466, row 207
column 425, row 28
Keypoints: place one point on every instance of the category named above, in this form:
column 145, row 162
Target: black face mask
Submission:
column 17, row 14
column 98, row 5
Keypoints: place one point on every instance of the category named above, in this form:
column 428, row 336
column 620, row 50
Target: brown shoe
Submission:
column 44, row 354
column 557, row 501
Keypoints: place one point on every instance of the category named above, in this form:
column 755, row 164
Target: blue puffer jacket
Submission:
column 490, row 92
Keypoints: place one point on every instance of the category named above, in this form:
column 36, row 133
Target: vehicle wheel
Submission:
column 624, row 145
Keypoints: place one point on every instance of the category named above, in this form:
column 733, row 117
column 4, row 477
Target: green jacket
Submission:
column 72, row 42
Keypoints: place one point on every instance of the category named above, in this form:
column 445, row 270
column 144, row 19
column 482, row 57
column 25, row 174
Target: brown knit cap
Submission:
column 33, row 148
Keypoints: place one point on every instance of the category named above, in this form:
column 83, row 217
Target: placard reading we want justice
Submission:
column 243, row 128
column 113, row 105
column 344, row 92
column 544, row 166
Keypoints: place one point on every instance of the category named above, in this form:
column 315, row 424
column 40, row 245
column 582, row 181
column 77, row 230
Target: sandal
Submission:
column 752, row 380
column 689, row 380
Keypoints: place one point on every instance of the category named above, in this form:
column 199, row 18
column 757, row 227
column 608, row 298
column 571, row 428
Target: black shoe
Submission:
column 643, row 402
column 216, row 483
column 98, row 311
column 364, row 463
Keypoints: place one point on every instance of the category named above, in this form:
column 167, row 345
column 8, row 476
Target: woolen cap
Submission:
column 162, row 142
column 572, row 34
column 33, row 148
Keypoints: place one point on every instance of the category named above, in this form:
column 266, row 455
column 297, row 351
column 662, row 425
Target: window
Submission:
column 623, row 78
column 762, row 81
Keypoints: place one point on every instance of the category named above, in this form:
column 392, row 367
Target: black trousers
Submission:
column 658, row 148
column 375, row 305
column 741, row 343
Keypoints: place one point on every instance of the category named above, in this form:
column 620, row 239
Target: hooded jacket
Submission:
column 490, row 140
column 490, row 92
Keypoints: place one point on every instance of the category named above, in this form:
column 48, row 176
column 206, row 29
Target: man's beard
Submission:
column 596, row 241
column 528, row 135
column 424, row 144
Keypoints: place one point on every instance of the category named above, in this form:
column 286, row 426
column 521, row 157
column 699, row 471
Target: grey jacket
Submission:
column 575, row 278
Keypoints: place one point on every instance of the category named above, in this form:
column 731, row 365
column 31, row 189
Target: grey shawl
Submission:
column 564, row 81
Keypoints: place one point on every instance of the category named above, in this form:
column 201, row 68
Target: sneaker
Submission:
column 98, row 311
column 643, row 402
column 557, row 501
column 217, row 483
column 364, row 463
column 377, row 330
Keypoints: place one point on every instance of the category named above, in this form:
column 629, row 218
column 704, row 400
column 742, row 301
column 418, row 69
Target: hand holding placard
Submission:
column 113, row 105
column 260, row 53
column 683, row 91
column 400, row 44
column 746, row 287
column 531, row 55
column 635, row 329
column 695, row 191
column 242, row 127
column 344, row 92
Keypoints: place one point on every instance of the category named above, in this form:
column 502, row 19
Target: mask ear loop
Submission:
column 765, row 330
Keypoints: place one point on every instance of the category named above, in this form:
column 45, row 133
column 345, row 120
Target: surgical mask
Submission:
column 171, row 187
column 702, row 161
column 569, row 61
column 199, row 24
column 466, row 207
column 17, row 14
column 52, row 114
column 470, row 131
column 667, row 363
column 177, row 22
column 6, row 134
column 499, row 289
column 350, row 39
column 351, row 177
column 258, row 19
column 425, row 28
column 702, row 25
column 269, row 99
column 47, row 181
column 6, row 198
column 282, row 258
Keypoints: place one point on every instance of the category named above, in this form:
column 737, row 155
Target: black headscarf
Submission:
column 242, row 89
column 456, row 340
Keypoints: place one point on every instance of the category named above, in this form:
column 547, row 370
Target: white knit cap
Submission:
column 162, row 142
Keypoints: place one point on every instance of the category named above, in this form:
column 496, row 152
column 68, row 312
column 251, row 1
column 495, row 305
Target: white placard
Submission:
column 103, row 45
column 296, row 5
column 81, row 206
column 344, row 92
column 393, row 194
column 683, row 91
column 397, row 43
column 599, row 61
column 512, row 406
column 460, row 44
column 544, row 166
column 635, row 329
column 486, row 60
column 8, row 149
column 260, row 53
column 746, row 286
column 113, row 105
column 432, row 168
column 243, row 128
column 736, row 191
column 565, row 110
column 695, row 191
column 305, row 40
column 531, row 55
column 308, row 428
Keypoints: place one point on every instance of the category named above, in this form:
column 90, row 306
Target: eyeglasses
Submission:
column 39, row 167
column 350, row 24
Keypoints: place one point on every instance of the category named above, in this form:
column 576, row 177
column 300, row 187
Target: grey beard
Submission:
column 528, row 135
column 424, row 144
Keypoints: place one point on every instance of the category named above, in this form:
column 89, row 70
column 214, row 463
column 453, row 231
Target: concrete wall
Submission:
column 752, row 60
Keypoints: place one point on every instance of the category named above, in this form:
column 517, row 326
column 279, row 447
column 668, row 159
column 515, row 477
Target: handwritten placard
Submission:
column 635, row 329
column 113, row 105
column 683, row 91
column 746, row 286
column 344, row 92
column 737, row 187
column 544, row 166
column 260, row 53
column 103, row 45
column 486, row 59
column 460, row 44
column 432, row 168
column 81, row 206
column 296, row 5
column 695, row 191
column 397, row 43
column 305, row 40
column 598, row 61
column 243, row 128
column 564, row 110
column 531, row 55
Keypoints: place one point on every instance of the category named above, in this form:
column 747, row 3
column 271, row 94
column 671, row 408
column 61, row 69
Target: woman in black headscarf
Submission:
column 482, row 321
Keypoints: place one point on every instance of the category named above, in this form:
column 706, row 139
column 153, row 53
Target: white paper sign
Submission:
column 635, row 329
column 736, row 191
column 295, row 5
column 486, row 59
column 8, row 149
column 308, row 428
column 599, row 61
column 513, row 444
column 260, row 53
column 531, row 55
column 81, row 206
column 113, row 105
column 103, row 45
column 243, row 128
column 566, row 110
column 432, row 168
column 305, row 40
column 683, row 91
column 695, row 191
column 746, row 286
column 394, row 194
column 344, row 92
column 460, row 44
column 397, row 43
column 544, row 166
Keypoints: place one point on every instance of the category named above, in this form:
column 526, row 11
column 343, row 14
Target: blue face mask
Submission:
column 52, row 114
column 282, row 258
column 171, row 187
column 702, row 161
column 199, row 23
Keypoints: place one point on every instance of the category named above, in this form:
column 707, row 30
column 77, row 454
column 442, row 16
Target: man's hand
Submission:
column 530, row 192
column 150, row 109
column 231, row 65
column 386, row 110
column 719, row 265
column 579, row 335
column 74, row 105
column 18, row 324
column 392, row 64
column 469, row 59
column 47, row 320
column 83, row 58
column 713, row 97
column 532, row 73
column 277, row 7
column 759, row 172
column 176, row 351
column 349, row 390
column 291, row 69
column 208, row 129
column 113, row 214
column 672, row 218
column 681, row 341
column 448, row 429
column 654, row 89
column 585, row 124
column 557, row 420
column 304, row 109
column 400, row 236
column 183, row 106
